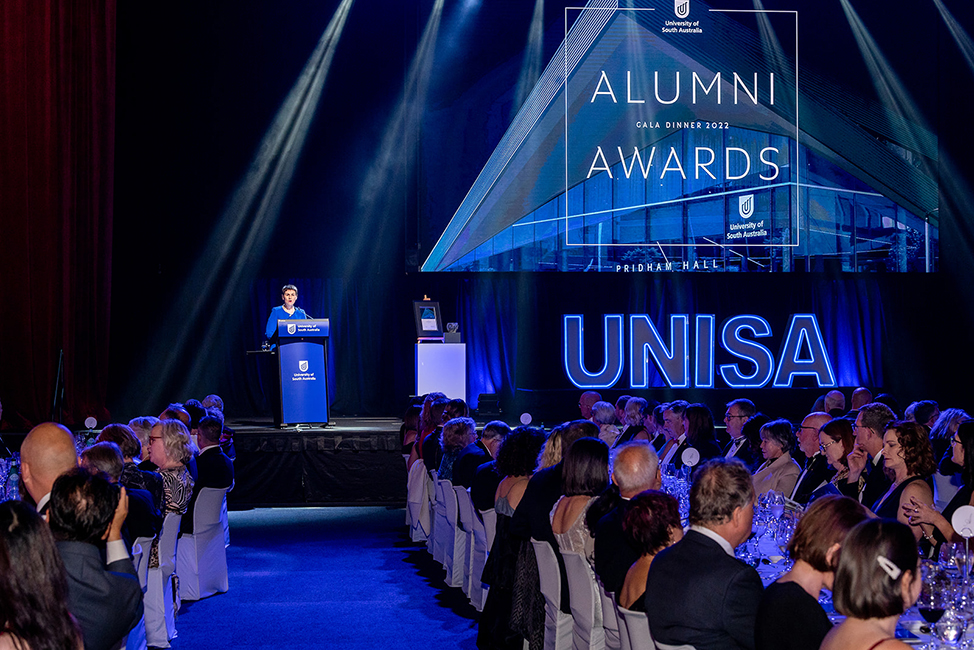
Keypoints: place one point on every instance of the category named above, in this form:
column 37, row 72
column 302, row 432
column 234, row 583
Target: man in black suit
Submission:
column 697, row 592
column 738, row 412
column 867, row 456
column 532, row 518
column 144, row 518
column 635, row 468
column 817, row 470
column 104, row 595
column 479, row 452
column 675, row 426
column 213, row 468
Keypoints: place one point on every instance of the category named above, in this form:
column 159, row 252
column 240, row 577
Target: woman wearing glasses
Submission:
column 836, row 440
column 919, row 511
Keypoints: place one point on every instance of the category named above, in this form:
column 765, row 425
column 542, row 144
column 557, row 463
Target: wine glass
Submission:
column 934, row 596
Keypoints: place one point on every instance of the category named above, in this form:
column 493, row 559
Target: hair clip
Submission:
column 887, row 565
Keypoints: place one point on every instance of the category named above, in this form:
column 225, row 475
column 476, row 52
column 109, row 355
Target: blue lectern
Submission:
column 302, row 353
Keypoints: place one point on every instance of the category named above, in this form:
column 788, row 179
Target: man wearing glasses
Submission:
column 817, row 470
column 867, row 456
column 738, row 412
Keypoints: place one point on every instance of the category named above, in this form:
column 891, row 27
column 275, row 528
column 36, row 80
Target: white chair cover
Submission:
column 140, row 558
column 610, row 620
column 454, row 539
column 201, row 558
column 490, row 526
column 477, row 551
column 226, row 518
column 431, row 506
column 417, row 503
column 465, row 525
column 442, row 531
column 586, row 604
column 161, row 602
column 135, row 640
column 557, row 624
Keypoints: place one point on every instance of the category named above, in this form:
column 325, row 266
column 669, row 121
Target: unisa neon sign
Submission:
column 802, row 353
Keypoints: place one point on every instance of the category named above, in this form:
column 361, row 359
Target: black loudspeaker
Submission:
column 488, row 407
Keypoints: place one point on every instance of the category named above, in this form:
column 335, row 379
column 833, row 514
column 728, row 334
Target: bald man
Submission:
column 586, row 401
column 817, row 470
column 635, row 468
column 835, row 402
column 47, row 452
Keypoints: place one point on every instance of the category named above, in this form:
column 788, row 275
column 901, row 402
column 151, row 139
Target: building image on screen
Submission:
column 670, row 137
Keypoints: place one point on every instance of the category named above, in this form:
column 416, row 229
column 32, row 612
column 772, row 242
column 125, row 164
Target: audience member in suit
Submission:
column 483, row 488
column 697, row 592
column 33, row 585
column 457, row 433
column 738, row 412
column 675, row 430
column 46, row 453
column 144, row 518
column 532, row 517
column 104, row 595
column 479, row 452
column 866, row 458
column 778, row 472
column 652, row 523
column 700, row 431
column 214, row 469
column 132, row 477
column 860, row 397
column 835, row 403
column 818, row 472
column 215, row 403
column 635, row 469
column 658, row 437
column 789, row 616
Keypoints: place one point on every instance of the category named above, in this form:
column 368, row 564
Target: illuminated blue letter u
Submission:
column 574, row 358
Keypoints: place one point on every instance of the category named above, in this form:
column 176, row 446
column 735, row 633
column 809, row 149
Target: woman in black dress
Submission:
column 908, row 458
column 919, row 511
column 789, row 616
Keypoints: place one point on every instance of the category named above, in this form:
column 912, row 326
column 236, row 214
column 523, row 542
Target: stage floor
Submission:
column 354, row 461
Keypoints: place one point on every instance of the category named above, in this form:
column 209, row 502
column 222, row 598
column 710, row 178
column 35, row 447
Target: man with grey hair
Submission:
column 817, row 471
column 697, row 592
column 635, row 469
column 867, row 456
column 478, row 452
column 586, row 402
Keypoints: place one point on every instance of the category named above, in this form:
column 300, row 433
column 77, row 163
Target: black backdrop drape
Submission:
column 57, row 131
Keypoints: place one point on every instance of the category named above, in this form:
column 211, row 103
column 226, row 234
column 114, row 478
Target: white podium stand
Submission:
column 442, row 367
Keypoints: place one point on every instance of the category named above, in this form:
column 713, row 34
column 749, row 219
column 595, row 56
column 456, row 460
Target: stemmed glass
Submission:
column 934, row 597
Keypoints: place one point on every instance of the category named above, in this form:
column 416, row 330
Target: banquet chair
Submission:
column 135, row 639
column 465, row 518
column 478, row 557
column 431, row 506
column 454, row 549
column 140, row 558
column 610, row 619
column 226, row 519
column 637, row 627
column 490, row 526
column 557, row 624
column 417, row 503
column 161, row 599
column 586, row 605
column 201, row 557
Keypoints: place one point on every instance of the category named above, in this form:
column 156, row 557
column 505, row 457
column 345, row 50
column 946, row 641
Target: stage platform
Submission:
column 355, row 461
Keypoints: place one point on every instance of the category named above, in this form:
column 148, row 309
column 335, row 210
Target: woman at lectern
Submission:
column 289, row 294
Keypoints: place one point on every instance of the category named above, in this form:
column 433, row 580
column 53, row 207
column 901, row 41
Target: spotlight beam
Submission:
column 531, row 67
column 239, row 240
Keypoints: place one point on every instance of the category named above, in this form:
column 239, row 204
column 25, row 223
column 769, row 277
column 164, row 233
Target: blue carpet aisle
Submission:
column 328, row 578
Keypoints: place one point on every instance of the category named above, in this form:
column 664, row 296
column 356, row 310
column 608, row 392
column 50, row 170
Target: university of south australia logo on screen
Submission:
column 303, row 366
column 292, row 328
column 745, row 206
column 681, row 8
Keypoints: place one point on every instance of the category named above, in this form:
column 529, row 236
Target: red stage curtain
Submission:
column 57, row 140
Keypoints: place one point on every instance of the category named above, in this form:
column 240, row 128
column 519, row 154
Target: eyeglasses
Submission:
column 955, row 441
column 151, row 438
column 824, row 447
column 728, row 415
